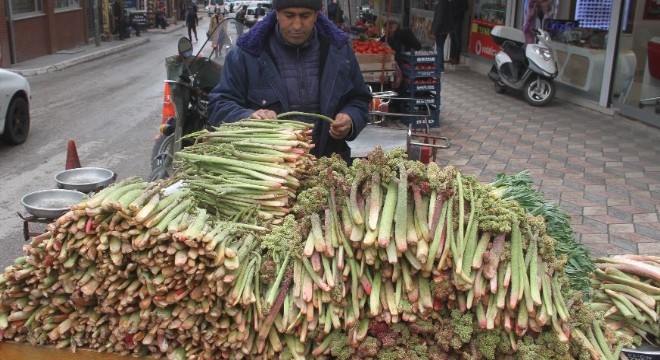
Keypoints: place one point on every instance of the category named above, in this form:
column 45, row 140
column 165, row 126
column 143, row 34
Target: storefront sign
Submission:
column 481, row 43
column 140, row 18
column 652, row 10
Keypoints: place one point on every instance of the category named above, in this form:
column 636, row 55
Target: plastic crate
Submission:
column 411, row 88
column 414, row 58
column 420, row 73
column 419, row 104
column 433, row 120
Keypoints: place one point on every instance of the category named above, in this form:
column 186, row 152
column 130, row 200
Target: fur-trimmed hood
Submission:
column 254, row 40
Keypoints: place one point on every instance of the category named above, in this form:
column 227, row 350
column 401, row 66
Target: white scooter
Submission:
column 526, row 67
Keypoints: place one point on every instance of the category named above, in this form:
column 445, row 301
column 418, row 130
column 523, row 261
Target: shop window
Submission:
column 423, row 4
column 23, row 7
column 593, row 14
column 64, row 4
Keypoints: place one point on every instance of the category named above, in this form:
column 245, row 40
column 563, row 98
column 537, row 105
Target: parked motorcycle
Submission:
column 190, row 78
column 527, row 67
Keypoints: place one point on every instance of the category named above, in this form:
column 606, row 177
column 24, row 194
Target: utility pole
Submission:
column 97, row 30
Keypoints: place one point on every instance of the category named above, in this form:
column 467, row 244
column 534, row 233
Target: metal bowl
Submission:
column 645, row 351
column 85, row 179
column 52, row 203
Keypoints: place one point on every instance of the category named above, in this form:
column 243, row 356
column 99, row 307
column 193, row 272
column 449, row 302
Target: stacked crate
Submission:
column 421, row 83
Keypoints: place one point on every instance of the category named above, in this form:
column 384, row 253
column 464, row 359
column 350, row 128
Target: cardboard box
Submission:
column 373, row 66
column 372, row 59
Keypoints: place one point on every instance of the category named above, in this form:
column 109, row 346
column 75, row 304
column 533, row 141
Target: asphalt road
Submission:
column 111, row 107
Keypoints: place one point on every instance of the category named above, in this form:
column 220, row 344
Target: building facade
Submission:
column 35, row 28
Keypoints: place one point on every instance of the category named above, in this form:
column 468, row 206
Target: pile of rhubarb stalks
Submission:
column 627, row 290
column 254, row 250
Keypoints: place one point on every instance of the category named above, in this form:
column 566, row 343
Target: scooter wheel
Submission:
column 500, row 88
column 162, row 156
column 539, row 91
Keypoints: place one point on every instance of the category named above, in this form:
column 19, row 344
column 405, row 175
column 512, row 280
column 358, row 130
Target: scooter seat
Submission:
column 515, row 52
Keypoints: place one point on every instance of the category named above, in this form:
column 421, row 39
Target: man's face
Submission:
column 296, row 24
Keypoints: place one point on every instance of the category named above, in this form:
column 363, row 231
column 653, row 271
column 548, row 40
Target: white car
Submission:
column 14, row 107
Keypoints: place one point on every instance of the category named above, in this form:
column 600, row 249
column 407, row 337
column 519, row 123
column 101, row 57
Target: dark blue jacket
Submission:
column 250, row 81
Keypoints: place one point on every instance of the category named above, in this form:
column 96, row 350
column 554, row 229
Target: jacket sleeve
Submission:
column 411, row 40
column 228, row 98
column 356, row 104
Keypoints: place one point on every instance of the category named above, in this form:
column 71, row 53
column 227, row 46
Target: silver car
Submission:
column 14, row 107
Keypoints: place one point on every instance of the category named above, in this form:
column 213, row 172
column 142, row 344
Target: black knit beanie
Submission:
column 311, row 4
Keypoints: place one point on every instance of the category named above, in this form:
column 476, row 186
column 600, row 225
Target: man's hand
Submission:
column 341, row 127
column 263, row 114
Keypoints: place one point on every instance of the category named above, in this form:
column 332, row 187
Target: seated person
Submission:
column 161, row 21
column 130, row 25
column 400, row 39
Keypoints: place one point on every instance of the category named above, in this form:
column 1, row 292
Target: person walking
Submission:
column 191, row 22
column 259, row 12
column 240, row 17
column 441, row 26
column 216, row 32
column 295, row 59
column 459, row 7
column 118, row 16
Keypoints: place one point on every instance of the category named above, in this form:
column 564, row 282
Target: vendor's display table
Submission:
column 16, row 351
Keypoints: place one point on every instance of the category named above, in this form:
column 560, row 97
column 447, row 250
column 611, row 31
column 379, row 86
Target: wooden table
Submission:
column 24, row 351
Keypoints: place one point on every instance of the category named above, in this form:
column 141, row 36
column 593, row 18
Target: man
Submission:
column 459, row 7
column 295, row 59
column 129, row 26
column 240, row 17
column 161, row 21
column 117, row 13
column 335, row 12
column 442, row 25
column 240, row 14
column 400, row 39
column 191, row 22
column 259, row 11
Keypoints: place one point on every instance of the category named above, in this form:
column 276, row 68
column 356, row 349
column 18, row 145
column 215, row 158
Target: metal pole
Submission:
column 97, row 29
column 12, row 37
column 611, row 54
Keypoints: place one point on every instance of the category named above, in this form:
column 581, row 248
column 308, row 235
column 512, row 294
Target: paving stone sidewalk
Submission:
column 603, row 170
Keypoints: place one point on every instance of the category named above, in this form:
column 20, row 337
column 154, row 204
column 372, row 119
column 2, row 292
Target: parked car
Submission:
column 15, row 99
column 252, row 10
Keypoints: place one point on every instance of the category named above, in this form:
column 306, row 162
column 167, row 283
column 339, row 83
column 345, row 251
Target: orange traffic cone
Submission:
column 168, row 105
column 72, row 160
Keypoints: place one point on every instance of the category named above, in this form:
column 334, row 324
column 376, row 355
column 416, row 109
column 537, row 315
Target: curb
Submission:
column 85, row 58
